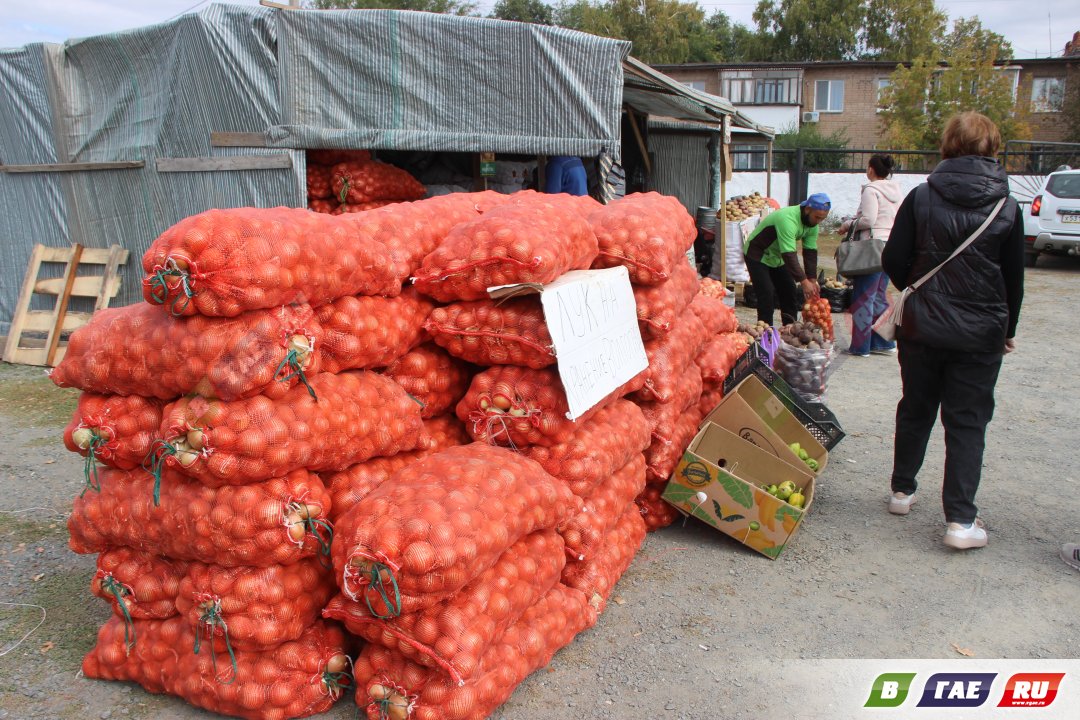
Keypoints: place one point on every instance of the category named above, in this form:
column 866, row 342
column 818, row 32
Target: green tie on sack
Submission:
column 859, row 253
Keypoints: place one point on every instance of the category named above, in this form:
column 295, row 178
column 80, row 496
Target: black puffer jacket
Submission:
column 973, row 303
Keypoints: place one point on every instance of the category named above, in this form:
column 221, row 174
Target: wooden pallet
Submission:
column 55, row 322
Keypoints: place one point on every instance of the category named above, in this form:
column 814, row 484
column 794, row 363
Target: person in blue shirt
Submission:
column 565, row 174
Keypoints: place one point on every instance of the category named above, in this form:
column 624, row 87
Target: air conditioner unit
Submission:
column 810, row 117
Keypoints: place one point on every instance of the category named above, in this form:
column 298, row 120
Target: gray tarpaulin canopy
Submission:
column 107, row 139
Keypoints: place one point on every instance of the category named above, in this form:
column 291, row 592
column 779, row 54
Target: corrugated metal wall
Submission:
column 681, row 167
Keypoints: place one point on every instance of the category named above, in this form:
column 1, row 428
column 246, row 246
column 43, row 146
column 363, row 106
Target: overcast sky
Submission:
column 1035, row 29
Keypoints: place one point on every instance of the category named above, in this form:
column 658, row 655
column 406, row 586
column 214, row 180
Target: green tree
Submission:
column 532, row 11
column 730, row 41
column 902, row 30
column 809, row 136
column 450, row 7
column 969, row 33
column 806, row 30
column 662, row 31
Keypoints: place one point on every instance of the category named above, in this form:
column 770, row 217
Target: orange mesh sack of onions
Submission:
column 371, row 180
column 391, row 687
column 453, row 635
column 584, row 532
column 494, row 332
column 334, row 422
column 532, row 241
column 664, row 453
column 660, row 306
column 429, row 374
column 137, row 584
column 140, row 350
column 517, row 406
column 655, row 512
column 275, row 522
column 717, row 317
column 596, row 576
column 298, row 678
column 351, row 485
column 115, row 430
column 669, row 357
column 318, row 182
column 647, row 232
column 663, row 417
column 597, row 449
column 440, row 522
column 221, row 263
column 718, row 357
column 361, row 333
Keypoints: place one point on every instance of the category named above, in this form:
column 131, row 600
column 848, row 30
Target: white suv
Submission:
column 1052, row 221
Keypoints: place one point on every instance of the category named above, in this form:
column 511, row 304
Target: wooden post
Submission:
column 721, row 234
column 62, row 304
column 639, row 138
column 768, row 171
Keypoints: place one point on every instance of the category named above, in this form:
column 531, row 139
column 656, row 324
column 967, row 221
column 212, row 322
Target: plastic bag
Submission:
column 113, row 429
column 296, row 679
column 390, row 686
column 584, row 532
column 669, row 357
column 337, row 421
column 438, row 523
column 718, row 357
column 534, row 239
column 361, row 182
column 598, row 449
column 806, row 371
column 360, row 333
column 137, row 584
column 596, row 577
column 433, row 377
column 715, row 316
column 655, row 512
column 647, row 232
column 490, row 332
column 659, row 307
column 275, row 522
column 454, row 634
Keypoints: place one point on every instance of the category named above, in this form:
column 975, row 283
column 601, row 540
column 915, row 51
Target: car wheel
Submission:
column 1030, row 258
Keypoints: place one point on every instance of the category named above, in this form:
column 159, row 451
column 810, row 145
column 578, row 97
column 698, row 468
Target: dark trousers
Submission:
column 772, row 285
column 962, row 385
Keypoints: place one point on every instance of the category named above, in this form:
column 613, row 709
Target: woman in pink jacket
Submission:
column 877, row 210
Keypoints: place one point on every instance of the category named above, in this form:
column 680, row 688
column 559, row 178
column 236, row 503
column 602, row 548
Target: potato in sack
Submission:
column 584, row 532
column 453, row 635
column 717, row 317
column 140, row 350
column 356, row 416
column 296, row 679
column 534, row 241
column 669, row 357
column 274, row 522
column 438, row 523
column 596, row 576
column 388, row 686
column 221, row 263
column 494, row 332
column 431, row 376
column 659, row 307
column 361, row 333
column 598, row 448
column 647, row 232
column 114, row 430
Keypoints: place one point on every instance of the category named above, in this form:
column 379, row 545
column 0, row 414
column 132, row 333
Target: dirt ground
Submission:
column 700, row 626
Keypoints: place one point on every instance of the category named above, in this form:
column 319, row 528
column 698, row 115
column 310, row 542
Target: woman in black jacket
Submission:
column 957, row 327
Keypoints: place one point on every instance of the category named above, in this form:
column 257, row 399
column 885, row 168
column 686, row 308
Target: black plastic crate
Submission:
column 815, row 417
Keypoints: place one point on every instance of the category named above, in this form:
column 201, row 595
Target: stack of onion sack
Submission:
column 724, row 346
column 320, row 163
column 451, row 570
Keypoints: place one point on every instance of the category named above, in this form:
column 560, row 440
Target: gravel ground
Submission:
column 700, row 626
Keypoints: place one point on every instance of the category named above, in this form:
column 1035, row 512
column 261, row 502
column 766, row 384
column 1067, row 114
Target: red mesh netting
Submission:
column 598, row 448
column 114, row 429
column 596, row 577
column 254, row 608
column 431, row 376
column 390, row 686
column 669, row 357
column 223, row 262
column 295, row 679
column 709, row 400
column 511, row 405
column 360, row 332
column 656, row 513
column 326, row 207
column 318, row 183
column 353, row 484
column 322, row 156
column 140, row 584
column 440, row 522
column 490, row 332
column 140, row 350
column 453, row 635
column 356, row 416
column 584, row 532
column 718, row 357
column 362, row 182
column 659, row 307
column 535, row 238
column 269, row 523
column 646, row 232
column 664, row 454
column 714, row 314
column 362, row 207
column 664, row 417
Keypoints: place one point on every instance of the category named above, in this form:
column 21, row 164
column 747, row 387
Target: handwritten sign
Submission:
column 592, row 318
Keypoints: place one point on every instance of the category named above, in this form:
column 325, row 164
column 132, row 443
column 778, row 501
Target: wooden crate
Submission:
column 53, row 323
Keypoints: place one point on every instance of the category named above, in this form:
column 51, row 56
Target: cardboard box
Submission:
column 729, row 471
column 753, row 413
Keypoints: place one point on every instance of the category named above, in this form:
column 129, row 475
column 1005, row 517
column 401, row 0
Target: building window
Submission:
column 748, row 157
column 829, row 96
column 882, row 85
column 762, row 87
column 1047, row 94
column 696, row 85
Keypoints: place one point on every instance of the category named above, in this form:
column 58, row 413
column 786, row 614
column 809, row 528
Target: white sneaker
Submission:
column 965, row 537
column 1070, row 553
column 900, row 504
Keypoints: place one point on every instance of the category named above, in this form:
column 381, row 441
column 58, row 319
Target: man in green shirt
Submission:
column 772, row 258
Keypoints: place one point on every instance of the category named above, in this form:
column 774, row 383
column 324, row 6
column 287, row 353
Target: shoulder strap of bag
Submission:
column 970, row 239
